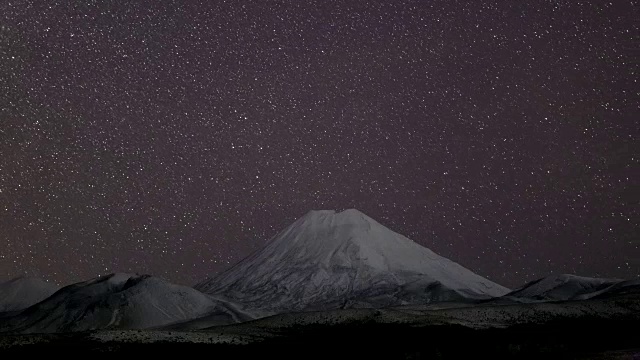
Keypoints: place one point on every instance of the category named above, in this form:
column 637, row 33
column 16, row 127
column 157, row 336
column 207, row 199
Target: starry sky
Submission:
column 176, row 137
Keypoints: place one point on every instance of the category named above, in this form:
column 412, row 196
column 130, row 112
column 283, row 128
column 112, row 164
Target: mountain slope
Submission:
column 22, row 292
column 119, row 301
column 563, row 287
column 627, row 287
column 327, row 259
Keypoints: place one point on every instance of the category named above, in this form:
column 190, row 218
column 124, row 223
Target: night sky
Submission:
column 174, row 138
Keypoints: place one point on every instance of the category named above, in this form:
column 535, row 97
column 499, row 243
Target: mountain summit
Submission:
column 329, row 259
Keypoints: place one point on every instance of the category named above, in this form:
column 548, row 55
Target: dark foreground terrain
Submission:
column 567, row 339
column 602, row 328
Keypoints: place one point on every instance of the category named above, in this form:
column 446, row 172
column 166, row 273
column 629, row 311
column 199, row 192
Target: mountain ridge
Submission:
column 117, row 301
column 21, row 292
column 564, row 287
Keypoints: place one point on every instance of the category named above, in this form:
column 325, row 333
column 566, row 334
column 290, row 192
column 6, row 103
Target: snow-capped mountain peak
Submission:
column 329, row 257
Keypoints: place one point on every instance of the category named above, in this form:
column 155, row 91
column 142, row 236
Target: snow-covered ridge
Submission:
column 345, row 259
